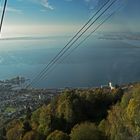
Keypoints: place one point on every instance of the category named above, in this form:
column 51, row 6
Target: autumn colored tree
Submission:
column 15, row 132
column 58, row 135
column 123, row 119
column 32, row 135
column 86, row 131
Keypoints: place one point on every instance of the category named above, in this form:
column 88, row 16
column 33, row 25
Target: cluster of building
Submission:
column 14, row 103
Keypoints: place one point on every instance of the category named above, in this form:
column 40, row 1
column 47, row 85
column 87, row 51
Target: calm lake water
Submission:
column 93, row 64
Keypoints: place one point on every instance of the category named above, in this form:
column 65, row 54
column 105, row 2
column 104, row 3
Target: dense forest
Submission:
column 93, row 114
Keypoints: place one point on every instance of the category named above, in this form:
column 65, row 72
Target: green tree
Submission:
column 45, row 120
column 3, row 133
column 35, row 118
column 26, row 126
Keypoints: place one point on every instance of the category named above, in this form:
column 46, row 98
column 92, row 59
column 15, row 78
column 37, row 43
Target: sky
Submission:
column 62, row 17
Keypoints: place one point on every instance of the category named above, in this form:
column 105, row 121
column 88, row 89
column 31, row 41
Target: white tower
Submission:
column 110, row 85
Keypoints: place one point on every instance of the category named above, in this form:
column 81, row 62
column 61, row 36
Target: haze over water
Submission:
column 93, row 64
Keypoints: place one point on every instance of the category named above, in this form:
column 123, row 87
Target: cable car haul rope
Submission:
column 3, row 13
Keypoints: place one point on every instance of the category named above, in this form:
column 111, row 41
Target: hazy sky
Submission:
column 53, row 17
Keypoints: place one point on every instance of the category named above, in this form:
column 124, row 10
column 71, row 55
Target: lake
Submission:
column 95, row 63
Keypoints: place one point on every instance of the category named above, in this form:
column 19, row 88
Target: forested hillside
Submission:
column 94, row 114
